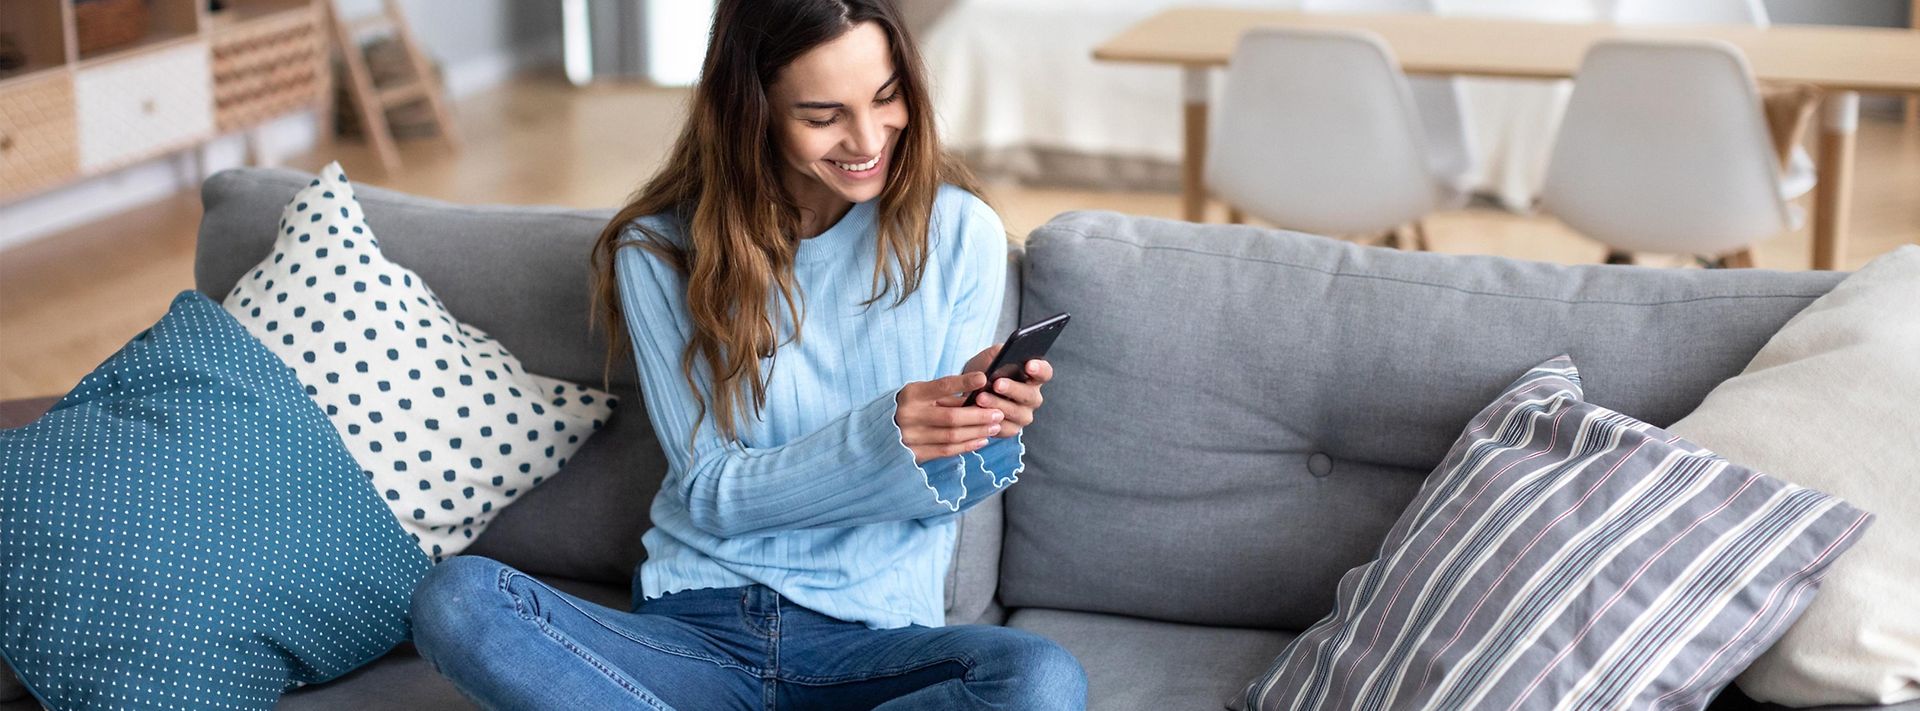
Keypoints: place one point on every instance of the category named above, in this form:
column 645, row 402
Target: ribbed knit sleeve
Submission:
column 853, row 470
column 977, row 306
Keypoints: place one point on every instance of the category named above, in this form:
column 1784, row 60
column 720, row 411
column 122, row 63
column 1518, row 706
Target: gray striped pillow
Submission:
column 1567, row 556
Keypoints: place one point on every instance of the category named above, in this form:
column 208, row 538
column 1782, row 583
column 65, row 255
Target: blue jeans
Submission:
column 508, row 641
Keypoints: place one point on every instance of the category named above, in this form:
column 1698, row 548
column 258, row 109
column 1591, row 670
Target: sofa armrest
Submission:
column 20, row 413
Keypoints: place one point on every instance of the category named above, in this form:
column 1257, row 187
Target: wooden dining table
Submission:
column 1842, row 61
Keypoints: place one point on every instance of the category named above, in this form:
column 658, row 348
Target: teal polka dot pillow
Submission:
column 186, row 530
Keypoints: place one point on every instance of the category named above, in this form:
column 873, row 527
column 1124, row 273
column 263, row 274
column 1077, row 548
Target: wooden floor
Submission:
column 71, row 299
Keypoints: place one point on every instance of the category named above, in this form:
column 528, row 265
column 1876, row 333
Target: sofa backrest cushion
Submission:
column 521, row 274
column 1239, row 414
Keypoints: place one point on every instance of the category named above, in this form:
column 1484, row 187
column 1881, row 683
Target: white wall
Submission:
column 478, row 43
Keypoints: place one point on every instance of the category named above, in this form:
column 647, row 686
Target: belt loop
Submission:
column 773, row 621
column 762, row 600
column 760, row 609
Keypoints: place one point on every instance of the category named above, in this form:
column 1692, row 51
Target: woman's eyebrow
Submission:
column 837, row 105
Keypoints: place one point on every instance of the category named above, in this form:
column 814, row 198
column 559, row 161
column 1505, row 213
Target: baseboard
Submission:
column 111, row 193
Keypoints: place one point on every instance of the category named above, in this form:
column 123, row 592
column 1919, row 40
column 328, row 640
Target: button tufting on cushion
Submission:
column 1319, row 464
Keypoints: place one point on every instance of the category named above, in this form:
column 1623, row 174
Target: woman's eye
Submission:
column 895, row 96
column 821, row 124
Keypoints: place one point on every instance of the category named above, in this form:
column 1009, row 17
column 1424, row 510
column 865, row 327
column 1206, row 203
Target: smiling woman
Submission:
column 806, row 108
column 801, row 538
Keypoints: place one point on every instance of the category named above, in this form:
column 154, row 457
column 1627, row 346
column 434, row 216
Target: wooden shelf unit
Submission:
column 194, row 75
column 167, row 21
column 40, row 31
column 244, row 11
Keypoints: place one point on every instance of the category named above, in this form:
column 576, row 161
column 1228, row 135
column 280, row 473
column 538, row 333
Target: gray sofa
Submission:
column 1239, row 415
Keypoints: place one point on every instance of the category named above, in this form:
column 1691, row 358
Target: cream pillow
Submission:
column 447, row 425
column 1833, row 403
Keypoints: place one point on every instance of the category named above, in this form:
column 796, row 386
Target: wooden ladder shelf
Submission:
column 372, row 102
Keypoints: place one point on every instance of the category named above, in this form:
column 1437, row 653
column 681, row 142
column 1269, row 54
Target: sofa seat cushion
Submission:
column 1142, row 664
column 1731, row 699
column 400, row 680
column 404, row 680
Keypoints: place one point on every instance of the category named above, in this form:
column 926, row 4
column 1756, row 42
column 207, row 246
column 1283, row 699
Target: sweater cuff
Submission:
column 944, row 478
column 999, row 463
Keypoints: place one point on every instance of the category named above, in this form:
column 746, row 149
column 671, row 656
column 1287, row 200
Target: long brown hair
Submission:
column 722, row 184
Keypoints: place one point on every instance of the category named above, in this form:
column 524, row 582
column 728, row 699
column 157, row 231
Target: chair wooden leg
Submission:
column 1742, row 259
column 1615, row 256
column 1396, row 238
column 1420, row 236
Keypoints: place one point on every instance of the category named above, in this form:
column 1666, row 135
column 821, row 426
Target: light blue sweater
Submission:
column 820, row 500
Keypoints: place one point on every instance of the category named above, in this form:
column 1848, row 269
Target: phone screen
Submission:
column 1026, row 343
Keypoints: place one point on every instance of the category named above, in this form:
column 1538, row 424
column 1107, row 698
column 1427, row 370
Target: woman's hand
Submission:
column 1014, row 399
column 934, row 422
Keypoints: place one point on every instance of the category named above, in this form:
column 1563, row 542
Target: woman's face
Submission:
column 838, row 112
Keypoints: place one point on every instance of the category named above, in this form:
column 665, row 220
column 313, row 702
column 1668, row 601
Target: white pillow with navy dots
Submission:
column 445, row 422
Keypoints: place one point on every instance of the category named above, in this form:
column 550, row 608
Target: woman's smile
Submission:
column 860, row 170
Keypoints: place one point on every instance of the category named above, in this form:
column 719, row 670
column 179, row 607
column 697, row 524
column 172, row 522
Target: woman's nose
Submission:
column 868, row 136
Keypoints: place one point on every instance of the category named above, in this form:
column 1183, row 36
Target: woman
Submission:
column 799, row 550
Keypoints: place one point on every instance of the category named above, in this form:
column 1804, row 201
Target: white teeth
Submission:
column 858, row 167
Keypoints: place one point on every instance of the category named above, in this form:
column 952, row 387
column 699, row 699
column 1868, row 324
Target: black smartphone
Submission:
column 1027, row 343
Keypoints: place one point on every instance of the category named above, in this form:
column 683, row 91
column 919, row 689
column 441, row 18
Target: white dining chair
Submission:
column 1316, row 130
column 1664, row 149
column 1450, row 149
column 1799, row 175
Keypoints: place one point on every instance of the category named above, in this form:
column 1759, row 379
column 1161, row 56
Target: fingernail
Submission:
column 1033, row 367
column 1000, row 386
column 997, row 415
column 993, row 430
